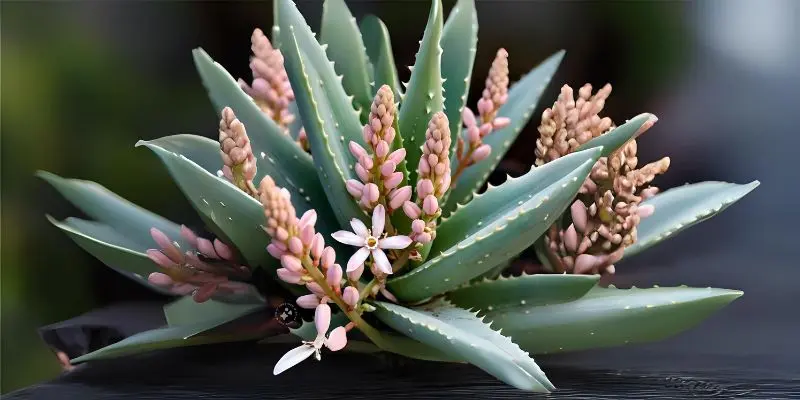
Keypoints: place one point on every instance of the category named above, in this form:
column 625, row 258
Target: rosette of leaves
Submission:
column 447, row 300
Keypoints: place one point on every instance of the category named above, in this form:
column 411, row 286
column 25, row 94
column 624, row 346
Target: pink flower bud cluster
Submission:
column 434, row 180
column 378, row 179
column 270, row 88
column 202, row 271
column 237, row 154
column 494, row 96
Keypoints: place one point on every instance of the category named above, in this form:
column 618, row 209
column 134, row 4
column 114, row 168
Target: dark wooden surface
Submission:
column 244, row 371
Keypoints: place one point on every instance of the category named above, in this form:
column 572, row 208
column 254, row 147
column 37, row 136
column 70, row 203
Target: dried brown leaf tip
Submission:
column 270, row 87
column 237, row 154
column 608, row 209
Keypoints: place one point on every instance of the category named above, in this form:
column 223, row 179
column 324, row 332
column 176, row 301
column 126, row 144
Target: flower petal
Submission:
column 358, row 227
column 395, row 242
column 357, row 259
column 322, row 319
column 381, row 261
column 337, row 339
column 292, row 358
column 348, row 238
column 378, row 220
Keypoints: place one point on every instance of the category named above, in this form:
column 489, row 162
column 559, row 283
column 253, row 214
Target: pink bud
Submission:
column 367, row 134
column 441, row 167
column 398, row 197
column 275, row 251
column 468, row 117
column 418, row 226
column 337, row 339
column 393, row 180
column 188, row 235
column 388, row 168
column 370, row 193
column 317, row 245
column 571, row 238
column 579, row 217
column 308, row 301
column 424, row 238
column 322, row 318
column 288, row 276
column 375, row 124
column 296, row 245
column 307, row 235
column 166, row 245
column 388, row 134
column 481, row 153
column 350, row 296
column 159, row 258
column 362, row 173
column 423, row 167
column 328, row 257
column 354, row 187
column 357, row 151
column 424, row 188
column 382, row 149
column 204, row 293
column 411, row 210
column 446, row 180
column 389, row 296
column 355, row 274
column 207, row 248
column 486, row 129
column 473, row 135
column 397, row 156
column 646, row 210
column 316, row 289
column 585, row 263
column 309, row 218
column 649, row 192
column 366, row 162
column 223, row 250
column 159, row 279
column 485, row 106
column 334, row 275
column 501, row 122
column 291, row 263
column 430, row 205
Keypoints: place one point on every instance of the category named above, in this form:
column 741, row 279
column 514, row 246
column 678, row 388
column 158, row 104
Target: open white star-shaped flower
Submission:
column 334, row 342
column 370, row 242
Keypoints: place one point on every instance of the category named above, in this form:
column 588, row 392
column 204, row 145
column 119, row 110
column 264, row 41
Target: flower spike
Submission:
column 237, row 154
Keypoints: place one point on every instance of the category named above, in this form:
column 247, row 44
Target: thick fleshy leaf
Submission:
column 340, row 33
column 459, row 45
column 227, row 210
column 618, row 136
column 345, row 119
column 463, row 335
column 610, row 317
column 495, row 241
column 496, row 294
column 499, row 200
column 522, row 100
column 423, row 96
column 111, row 247
column 331, row 155
column 166, row 338
column 277, row 153
column 101, row 204
column 679, row 208
column 379, row 49
column 185, row 311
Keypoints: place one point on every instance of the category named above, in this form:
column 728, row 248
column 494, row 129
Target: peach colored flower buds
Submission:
column 270, row 88
column 350, row 296
column 237, row 154
column 376, row 168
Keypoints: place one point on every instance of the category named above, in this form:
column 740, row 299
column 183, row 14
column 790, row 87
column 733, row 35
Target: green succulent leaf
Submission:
column 166, row 338
column 493, row 273
column 345, row 118
column 617, row 137
column 111, row 247
column 500, row 200
column 330, row 148
column 500, row 238
column 522, row 100
column 463, row 335
column 99, row 203
column 679, row 208
column 186, row 312
column 230, row 212
column 278, row 155
column 346, row 49
column 379, row 49
column 423, row 96
column 610, row 317
column 459, row 45
column 539, row 289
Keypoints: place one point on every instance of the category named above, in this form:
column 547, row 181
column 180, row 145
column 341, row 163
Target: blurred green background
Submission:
column 83, row 81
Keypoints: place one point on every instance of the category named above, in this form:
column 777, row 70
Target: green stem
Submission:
column 367, row 289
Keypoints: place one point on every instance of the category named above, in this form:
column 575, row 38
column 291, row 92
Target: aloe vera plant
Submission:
column 361, row 198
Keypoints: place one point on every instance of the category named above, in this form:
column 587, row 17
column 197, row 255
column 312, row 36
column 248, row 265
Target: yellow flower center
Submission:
column 372, row 242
